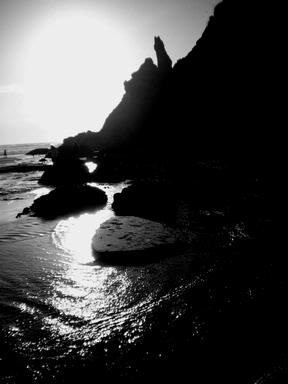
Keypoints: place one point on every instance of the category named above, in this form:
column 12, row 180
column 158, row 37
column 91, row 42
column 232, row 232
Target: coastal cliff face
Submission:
column 129, row 119
column 226, row 76
column 213, row 103
column 128, row 127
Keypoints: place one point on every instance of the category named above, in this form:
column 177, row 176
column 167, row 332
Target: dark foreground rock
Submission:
column 64, row 200
column 129, row 239
column 38, row 151
column 150, row 200
column 200, row 110
column 67, row 168
column 65, row 173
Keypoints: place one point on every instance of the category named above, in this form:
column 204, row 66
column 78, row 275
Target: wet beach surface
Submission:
column 213, row 311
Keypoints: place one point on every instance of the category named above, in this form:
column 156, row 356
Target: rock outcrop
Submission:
column 220, row 93
column 150, row 200
column 133, row 240
column 214, row 103
column 126, row 127
column 67, row 168
column 66, row 200
column 164, row 62
column 127, row 123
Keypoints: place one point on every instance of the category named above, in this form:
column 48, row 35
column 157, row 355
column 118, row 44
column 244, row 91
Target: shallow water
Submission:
column 59, row 303
column 66, row 316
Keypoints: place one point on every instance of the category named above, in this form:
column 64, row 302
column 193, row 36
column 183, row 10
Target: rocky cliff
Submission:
column 215, row 102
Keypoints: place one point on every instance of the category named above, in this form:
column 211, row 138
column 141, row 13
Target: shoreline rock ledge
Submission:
column 66, row 200
column 124, row 238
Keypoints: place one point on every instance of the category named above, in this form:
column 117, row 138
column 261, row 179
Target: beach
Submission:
column 66, row 315
column 58, row 304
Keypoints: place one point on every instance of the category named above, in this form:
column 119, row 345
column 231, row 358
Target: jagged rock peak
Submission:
column 147, row 66
column 145, row 78
column 163, row 60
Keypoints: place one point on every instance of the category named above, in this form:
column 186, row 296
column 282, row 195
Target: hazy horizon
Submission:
column 57, row 59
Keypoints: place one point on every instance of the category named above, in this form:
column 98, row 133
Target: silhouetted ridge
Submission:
column 126, row 122
column 214, row 103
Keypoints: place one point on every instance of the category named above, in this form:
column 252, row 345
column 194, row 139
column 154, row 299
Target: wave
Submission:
column 22, row 230
column 15, row 185
column 21, row 149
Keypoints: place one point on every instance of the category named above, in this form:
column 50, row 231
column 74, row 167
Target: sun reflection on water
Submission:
column 94, row 301
column 85, row 291
column 74, row 235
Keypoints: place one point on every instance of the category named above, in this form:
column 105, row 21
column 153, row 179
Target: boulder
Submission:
column 125, row 238
column 65, row 174
column 65, row 200
column 150, row 200
column 88, row 142
column 67, row 168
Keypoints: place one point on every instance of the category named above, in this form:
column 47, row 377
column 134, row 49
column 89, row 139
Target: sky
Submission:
column 63, row 62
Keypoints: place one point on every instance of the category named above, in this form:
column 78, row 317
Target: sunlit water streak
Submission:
column 74, row 234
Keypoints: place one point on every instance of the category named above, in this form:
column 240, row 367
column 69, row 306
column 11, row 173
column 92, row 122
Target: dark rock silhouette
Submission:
column 65, row 200
column 127, row 123
column 88, row 142
column 150, row 200
column 214, row 103
column 67, row 168
column 127, row 133
column 227, row 75
column 38, row 151
column 164, row 62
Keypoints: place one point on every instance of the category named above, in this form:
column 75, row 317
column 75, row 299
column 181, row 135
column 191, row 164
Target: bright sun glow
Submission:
column 75, row 68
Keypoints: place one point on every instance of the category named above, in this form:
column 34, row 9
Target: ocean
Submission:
column 18, row 188
column 65, row 316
